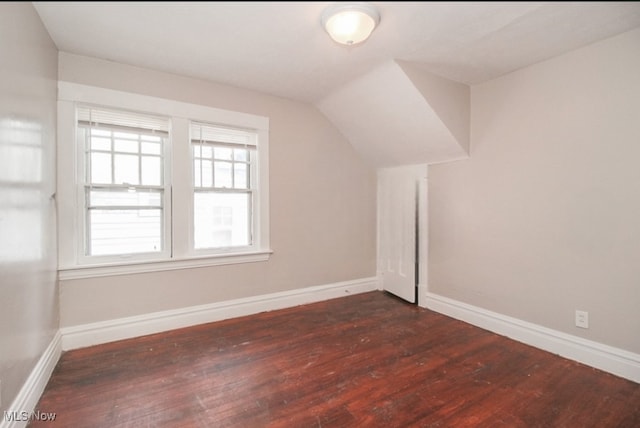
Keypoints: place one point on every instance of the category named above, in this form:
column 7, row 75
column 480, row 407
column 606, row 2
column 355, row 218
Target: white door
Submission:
column 398, row 220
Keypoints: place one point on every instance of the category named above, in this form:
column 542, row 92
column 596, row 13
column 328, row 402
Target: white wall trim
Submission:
column 76, row 92
column 82, row 272
column 80, row 336
column 27, row 399
column 607, row 358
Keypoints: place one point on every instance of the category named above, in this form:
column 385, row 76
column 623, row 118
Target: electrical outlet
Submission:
column 582, row 319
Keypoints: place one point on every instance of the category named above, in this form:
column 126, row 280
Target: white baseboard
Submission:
column 24, row 404
column 612, row 360
column 124, row 328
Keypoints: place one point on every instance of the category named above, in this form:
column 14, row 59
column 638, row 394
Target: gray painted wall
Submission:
column 544, row 218
column 28, row 287
column 322, row 203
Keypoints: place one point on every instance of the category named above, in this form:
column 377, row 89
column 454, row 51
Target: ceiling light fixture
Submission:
column 350, row 23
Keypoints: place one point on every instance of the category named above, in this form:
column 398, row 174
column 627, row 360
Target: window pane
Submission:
column 128, row 146
column 207, row 152
column 221, row 220
column 124, row 231
column 223, row 153
column 100, row 168
column 240, row 175
column 151, row 138
column 222, row 216
column 197, row 179
column 222, row 174
column 125, row 198
column 151, row 148
column 207, row 177
column 98, row 143
column 126, row 169
column 151, row 171
column 240, row 155
column 100, row 132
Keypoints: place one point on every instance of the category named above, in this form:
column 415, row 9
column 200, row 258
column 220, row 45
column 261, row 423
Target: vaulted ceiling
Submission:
column 401, row 97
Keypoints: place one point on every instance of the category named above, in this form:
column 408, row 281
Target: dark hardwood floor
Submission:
column 368, row 360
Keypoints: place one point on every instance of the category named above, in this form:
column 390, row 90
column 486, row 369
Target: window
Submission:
column 124, row 193
column 223, row 180
column 149, row 184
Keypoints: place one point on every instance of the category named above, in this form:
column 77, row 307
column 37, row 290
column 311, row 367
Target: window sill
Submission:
column 93, row 271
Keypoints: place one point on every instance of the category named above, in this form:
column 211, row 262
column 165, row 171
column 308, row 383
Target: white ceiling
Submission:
column 281, row 49
column 401, row 97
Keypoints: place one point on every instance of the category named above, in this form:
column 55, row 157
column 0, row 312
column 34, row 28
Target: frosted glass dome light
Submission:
column 350, row 23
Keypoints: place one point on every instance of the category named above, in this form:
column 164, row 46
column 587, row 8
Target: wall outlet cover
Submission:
column 582, row 319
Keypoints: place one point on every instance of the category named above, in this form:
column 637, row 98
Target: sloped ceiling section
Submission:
column 398, row 115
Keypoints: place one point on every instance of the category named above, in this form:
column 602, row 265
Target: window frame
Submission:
column 82, row 202
column 252, row 189
column 178, row 165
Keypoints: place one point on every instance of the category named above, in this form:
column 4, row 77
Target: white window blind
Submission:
column 97, row 117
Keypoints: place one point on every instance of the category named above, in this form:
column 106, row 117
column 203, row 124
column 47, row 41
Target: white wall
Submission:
column 28, row 287
column 322, row 203
column 544, row 218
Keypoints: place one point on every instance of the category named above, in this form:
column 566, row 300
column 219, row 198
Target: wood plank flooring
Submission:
column 368, row 360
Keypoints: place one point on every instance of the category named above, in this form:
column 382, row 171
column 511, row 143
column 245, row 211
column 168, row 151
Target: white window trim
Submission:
column 183, row 256
column 81, row 272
